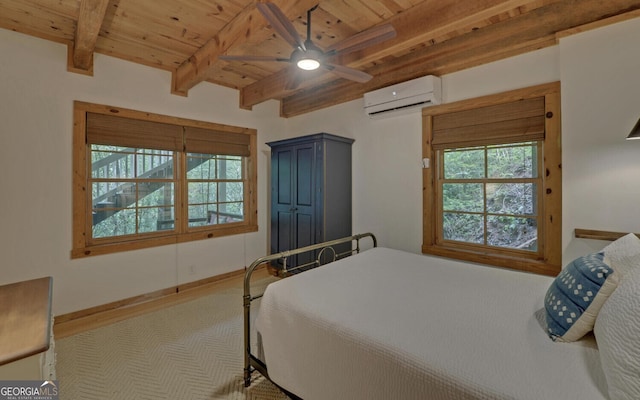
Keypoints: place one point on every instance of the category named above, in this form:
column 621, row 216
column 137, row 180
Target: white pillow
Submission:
column 623, row 254
column 617, row 331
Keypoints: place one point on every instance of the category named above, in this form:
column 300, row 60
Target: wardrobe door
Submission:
column 305, row 204
column 282, row 201
column 293, row 200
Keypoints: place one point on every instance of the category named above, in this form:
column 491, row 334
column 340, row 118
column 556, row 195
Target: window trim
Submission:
column 81, row 246
column 549, row 263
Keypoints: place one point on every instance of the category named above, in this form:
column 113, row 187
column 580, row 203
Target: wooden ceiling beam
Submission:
column 441, row 17
column 249, row 23
column 514, row 36
column 90, row 19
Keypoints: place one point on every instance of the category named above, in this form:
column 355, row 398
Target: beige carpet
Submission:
column 189, row 351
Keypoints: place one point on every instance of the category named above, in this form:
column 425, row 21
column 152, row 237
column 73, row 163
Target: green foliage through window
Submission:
column 133, row 190
column 215, row 189
column 489, row 195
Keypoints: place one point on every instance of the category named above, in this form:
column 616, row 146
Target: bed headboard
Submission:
column 599, row 235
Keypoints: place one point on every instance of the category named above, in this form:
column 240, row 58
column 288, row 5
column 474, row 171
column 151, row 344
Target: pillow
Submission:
column 623, row 254
column 617, row 332
column 576, row 295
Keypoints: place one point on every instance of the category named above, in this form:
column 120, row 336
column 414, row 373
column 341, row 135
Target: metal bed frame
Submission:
column 252, row 362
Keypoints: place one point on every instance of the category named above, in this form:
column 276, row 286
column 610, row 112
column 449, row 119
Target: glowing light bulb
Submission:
column 308, row 64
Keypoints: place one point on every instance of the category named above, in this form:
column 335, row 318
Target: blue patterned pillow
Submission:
column 576, row 296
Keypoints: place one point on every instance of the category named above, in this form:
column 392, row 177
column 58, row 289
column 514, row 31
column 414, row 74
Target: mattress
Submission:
column 387, row 324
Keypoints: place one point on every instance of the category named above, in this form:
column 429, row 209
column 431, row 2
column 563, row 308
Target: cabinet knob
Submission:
column 293, row 209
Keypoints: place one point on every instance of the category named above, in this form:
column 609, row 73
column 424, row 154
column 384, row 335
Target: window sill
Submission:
column 138, row 244
column 521, row 264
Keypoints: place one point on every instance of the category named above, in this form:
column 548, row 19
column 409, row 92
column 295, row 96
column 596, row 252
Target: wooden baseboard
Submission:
column 95, row 317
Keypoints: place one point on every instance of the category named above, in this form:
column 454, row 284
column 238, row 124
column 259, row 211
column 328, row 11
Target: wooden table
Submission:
column 25, row 319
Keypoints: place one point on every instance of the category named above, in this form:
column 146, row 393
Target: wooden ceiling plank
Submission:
column 135, row 52
column 525, row 33
column 247, row 23
column 447, row 17
column 441, row 19
column 151, row 41
column 385, row 8
column 182, row 23
column 161, row 34
column 37, row 20
column 90, row 19
column 362, row 13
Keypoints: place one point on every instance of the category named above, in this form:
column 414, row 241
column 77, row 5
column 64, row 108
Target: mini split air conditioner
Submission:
column 403, row 97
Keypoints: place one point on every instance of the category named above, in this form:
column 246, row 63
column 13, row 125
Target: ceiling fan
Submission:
column 306, row 55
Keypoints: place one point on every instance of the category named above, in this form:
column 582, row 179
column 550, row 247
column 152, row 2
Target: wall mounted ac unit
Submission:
column 403, row 97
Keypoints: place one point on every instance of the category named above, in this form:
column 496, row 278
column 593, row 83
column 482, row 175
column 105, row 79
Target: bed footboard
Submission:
column 323, row 252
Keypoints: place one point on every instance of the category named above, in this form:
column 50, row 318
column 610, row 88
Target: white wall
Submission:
column 601, row 185
column 387, row 153
column 600, row 71
column 36, row 110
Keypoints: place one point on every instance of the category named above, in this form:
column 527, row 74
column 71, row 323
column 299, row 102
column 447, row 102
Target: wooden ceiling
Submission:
column 186, row 37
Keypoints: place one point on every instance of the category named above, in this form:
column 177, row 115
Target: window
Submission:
column 489, row 195
column 493, row 193
column 143, row 180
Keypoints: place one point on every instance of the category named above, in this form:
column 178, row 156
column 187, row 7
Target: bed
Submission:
column 388, row 324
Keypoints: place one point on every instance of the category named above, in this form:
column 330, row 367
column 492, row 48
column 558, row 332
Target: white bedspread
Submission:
column 387, row 324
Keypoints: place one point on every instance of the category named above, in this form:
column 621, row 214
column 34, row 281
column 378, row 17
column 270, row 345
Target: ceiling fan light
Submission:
column 308, row 64
column 307, row 60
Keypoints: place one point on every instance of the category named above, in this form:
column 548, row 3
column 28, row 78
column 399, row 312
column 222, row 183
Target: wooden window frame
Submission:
column 549, row 260
column 84, row 246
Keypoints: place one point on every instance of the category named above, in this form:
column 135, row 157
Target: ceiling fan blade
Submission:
column 251, row 58
column 348, row 73
column 359, row 41
column 281, row 24
column 295, row 76
column 293, row 80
